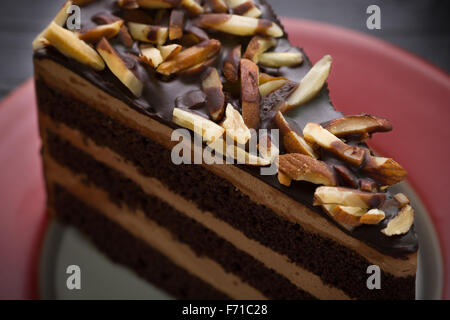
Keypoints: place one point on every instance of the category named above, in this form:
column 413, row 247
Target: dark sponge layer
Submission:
column 337, row 265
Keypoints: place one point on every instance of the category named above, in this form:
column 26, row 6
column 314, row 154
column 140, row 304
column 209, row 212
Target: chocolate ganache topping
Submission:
column 161, row 93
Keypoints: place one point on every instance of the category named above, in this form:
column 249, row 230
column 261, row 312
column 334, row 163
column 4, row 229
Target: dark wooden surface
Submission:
column 419, row 26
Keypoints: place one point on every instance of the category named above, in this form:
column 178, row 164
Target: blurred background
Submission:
column 419, row 26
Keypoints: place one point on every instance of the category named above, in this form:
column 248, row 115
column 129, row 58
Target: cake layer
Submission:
column 73, row 158
column 110, row 122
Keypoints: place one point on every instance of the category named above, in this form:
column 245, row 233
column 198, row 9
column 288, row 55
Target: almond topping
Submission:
column 151, row 56
column 119, row 68
column 244, row 8
column 301, row 167
column 250, row 93
column 95, row 34
column 169, row 51
column 124, row 36
column 311, row 84
column 314, row 133
column 215, row 99
column 347, row 177
column 193, row 35
column 190, row 57
column 239, row 154
column 359, row 124
column 401, row 199
column 231, row 64
column 329, row 208
column 239, row 25
column 176, row 24
column 348, row 215
column 401, row 223
column 267, row 149
column 207, row 129
column 234, row 125
column 373, row 216
column 271, row 86
column 148, row 33
column 126, row 4
column 385, row 171
column 280, row 59
column 284, row 179
column 257, row 46
column 296, row 144
column 192, row 6
column 217, row 6
column 199, row 68
column 348, row 197
column 264, row 78
column 158, row 4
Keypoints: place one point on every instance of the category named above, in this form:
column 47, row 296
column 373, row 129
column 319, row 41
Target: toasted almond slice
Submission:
column 193, row 7
column 95, row 34
column 190, row 57
column 301, row 167
column 151, row 56
column 280, row 59
column 385, row 171
column 176, row 24
column 348, row 197
column 207, row 129
column 244, row 8
column 359, row 124
column 271, row 86
column 69, row 45
column 348, row 177
column 215, row 98
column 267, row 149
column 82, row 2
column 199, row 68
column 401, row 223
column 314, row 133
column 257, row 46
column 250, row 93
column 329, row 208
column 311, row 84
column 193, row 35
column 231, row 64
column 282, row 124
column 60, row 19
column 367, row 184
column 148, row 33
column 239, row 25
column 119, row 68
column 124, row 36
column 158, row 4
column 264, row 78
column 124, row 4
column 234, row 125
column 373, row 216
column 217, row 6
column 284, row 179
column 296, row 144
column 239, row 154
column 169, row 51
column 349, row 215
column 401, row 199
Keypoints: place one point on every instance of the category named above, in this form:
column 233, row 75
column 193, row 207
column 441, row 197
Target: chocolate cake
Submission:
column 193, row 143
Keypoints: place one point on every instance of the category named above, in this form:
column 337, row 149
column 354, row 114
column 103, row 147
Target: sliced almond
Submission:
column 271, row 86
column 231, row 64
column 235, row 127
column 169, row 51
column 295, row 144
column 385, row 171
column 217, row 6
column 60, row 19
column 199, row 68
column 207, row 129
column 348, row 197
column 246, row 8
column 348, row 177
column 68, row 44
column 281, row 123
column 151, row 56
column 264, row 78
column 124, row 36
column 257, row 46
column 328, row 209
column 349, row 215
column 148, row 33
column 401, row 223
column 367, row 184
column 190, row 57
column 301, row 167
column 280, row 59
column 119, row 68
column 237, row 153
column 176, row 24
column 267, row 149
column 373, row 216
column 311, row 84
column 359, row 124
column 239, row 25
column 284, row 179
column 250, row 93
column 82, row 2
column 401, row 199
column 107, row 31
column 158, row 4
column 193, row 7
column 193, row 35
column 125, row 4
column 314, row 133
column 215, row 98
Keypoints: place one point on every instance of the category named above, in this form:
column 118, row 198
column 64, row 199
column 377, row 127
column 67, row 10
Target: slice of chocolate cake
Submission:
column 193, row 143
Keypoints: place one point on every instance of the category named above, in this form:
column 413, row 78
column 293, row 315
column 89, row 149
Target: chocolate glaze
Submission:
column 160, row 93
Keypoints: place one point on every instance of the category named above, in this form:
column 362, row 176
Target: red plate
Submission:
column 368, row 75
